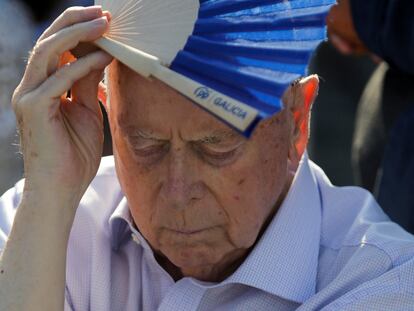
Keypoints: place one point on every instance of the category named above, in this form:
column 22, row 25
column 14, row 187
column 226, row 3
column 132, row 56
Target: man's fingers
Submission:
column 72, row 16
column 85, row 90
column 63, row 79
column 45, row 58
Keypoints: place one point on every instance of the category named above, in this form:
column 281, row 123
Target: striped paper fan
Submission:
column 234, row 58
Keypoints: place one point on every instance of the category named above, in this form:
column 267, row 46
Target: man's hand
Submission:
column 62, row 143
column 342, row 31
column 62, row 137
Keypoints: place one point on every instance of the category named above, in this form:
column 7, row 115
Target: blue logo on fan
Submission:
column 205, row 94
column 202, row 92
column 230, row 107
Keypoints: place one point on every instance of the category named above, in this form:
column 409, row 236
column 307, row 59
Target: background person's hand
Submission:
column 341, row 29
column 62, row 137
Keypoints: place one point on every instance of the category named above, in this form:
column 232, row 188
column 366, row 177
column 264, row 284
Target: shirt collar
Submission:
column 122, row 227
column 120, row 224
column 284, row 261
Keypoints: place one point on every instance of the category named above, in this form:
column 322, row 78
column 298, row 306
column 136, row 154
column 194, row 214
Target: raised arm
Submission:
column 61, row 142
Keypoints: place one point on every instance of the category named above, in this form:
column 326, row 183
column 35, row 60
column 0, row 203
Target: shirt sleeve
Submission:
column 8, row 206
column 387, row 29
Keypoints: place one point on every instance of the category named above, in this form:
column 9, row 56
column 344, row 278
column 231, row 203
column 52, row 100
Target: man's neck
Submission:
column 212, row 273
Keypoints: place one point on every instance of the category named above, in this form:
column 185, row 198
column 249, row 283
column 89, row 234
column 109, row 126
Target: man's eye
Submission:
column 220, row 155
column 215, row 157
column 149, row 151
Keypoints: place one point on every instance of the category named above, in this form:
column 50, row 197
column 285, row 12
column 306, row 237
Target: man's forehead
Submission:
column 149, row 108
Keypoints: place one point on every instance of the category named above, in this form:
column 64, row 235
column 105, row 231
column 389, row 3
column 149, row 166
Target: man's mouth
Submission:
column 189, row 231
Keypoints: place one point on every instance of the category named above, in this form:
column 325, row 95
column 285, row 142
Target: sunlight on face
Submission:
column 198, row 191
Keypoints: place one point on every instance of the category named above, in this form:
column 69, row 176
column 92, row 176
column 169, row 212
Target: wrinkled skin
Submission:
column 199, row 192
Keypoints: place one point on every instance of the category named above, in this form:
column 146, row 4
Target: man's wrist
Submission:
column 51, row 204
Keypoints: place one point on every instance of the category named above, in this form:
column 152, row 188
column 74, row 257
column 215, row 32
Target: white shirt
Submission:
column 327, row 248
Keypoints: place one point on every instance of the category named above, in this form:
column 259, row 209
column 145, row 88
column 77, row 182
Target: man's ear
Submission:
column 103, row 95
column 305, row 92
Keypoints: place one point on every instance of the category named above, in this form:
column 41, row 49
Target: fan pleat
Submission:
column 262, row 79
column 253, row 50
column 214, row 7
column 294, row 54
column 242, row 61
column 299, row 35
column 255, row 7
column 248, row 24
column 157, row 27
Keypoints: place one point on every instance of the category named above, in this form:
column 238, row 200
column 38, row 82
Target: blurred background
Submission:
column 21, row 23
column 342, row 81
column 350, row 121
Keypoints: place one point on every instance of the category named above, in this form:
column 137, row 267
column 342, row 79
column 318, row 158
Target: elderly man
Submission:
column 188, row 214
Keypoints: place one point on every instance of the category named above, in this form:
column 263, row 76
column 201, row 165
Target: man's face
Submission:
column 198, row 191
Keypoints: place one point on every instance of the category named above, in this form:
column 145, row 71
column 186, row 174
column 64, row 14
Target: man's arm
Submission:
column 33, row 263
column 61, row 142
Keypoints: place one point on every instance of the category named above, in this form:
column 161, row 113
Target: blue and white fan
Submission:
column 234, row 58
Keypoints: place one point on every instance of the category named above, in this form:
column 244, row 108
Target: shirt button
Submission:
column 135, row 238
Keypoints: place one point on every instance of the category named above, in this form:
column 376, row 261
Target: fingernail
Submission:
column 93, row 11
column 107, row 14
column 95, row 8
column 100, row 23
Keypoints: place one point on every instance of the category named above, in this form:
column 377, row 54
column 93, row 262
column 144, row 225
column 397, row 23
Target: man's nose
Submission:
column 182, row 185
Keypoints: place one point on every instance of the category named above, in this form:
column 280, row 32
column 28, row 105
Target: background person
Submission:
column 16, row 29
column 383, row 147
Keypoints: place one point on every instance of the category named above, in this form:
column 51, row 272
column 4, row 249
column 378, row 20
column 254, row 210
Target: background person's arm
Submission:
column 61, row 142
column 383, row 27
column 387, row 29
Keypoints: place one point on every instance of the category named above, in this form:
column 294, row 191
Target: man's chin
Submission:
column 191, row 257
